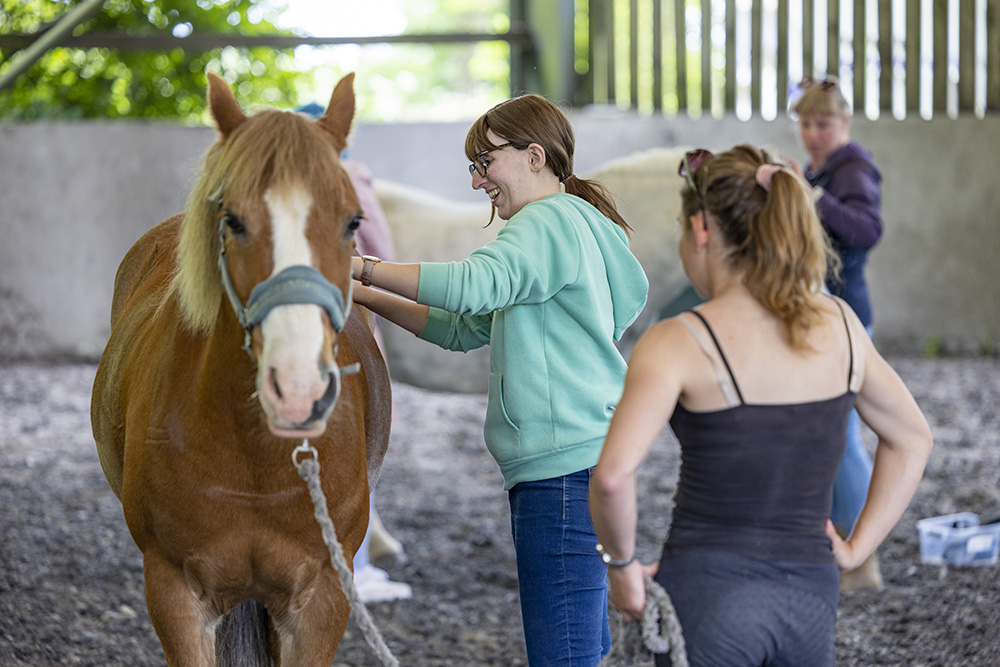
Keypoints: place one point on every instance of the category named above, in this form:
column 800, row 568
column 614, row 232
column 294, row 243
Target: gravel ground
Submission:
column 71, row 588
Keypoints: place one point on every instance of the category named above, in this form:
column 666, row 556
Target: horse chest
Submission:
column 233, row 543
column 226, row 572
column 184, row 513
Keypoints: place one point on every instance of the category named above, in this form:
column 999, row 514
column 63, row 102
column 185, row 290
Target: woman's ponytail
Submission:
column 765, row 213
column 598, row 196
column 788, row 255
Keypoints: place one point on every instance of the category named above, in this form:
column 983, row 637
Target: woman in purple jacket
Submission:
column 847, row 194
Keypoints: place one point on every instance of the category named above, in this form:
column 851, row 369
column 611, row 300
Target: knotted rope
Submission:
column 659, row 631
column 308, row 469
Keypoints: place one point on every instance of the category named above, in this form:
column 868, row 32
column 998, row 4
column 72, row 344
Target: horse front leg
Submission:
column 184, row 622
column 310, row 628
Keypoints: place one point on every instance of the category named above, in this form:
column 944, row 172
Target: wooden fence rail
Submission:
column 898, row 57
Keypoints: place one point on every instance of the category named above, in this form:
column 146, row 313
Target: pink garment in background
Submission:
column 374, row 236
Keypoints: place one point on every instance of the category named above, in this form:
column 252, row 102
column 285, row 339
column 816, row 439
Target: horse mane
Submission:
column 270, row 150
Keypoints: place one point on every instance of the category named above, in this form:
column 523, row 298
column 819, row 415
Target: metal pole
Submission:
column 50, row 39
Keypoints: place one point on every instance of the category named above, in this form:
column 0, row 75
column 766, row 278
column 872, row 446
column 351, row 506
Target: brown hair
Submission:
column 822, row 97
column 775, row 236
column 532, row 119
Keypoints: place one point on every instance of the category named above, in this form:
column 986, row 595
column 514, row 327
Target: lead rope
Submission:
column 659, row 631
column 308, row 469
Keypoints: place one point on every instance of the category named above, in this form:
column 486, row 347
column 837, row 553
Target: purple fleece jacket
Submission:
column 850, row 210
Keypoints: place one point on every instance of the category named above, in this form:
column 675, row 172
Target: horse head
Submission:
column 265, row 251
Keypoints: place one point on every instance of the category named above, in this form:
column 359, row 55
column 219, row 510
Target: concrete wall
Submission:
column 75, row 196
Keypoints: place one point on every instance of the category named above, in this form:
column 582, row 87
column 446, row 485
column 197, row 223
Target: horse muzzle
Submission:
column 293, row 409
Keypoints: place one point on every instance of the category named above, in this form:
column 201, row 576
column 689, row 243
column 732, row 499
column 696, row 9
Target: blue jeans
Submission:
column 561, row 581
column 850, row 489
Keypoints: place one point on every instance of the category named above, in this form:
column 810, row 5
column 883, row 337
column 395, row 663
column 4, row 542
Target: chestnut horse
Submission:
column 193, row 432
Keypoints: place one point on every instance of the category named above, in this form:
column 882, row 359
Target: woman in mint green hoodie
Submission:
column 550, row 296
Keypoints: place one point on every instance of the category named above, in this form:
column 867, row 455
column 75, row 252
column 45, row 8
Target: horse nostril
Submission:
column 322, row 407
column 274, row 382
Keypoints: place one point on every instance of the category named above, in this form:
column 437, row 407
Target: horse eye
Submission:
column 234, row 223
column 353, row 225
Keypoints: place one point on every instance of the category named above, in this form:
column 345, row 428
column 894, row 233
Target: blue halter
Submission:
column 298, row 284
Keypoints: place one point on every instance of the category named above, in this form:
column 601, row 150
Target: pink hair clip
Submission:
column 765, row 173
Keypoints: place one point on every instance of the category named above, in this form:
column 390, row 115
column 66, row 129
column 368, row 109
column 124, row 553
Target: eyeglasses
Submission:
column 480, row 164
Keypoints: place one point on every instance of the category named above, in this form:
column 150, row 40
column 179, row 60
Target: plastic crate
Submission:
column 958, row 539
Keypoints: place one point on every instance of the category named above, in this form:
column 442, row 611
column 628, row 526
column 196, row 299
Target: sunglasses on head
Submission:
column 689, row 164
column 824, row 84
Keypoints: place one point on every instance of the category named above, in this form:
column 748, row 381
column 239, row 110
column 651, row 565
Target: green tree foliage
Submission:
column 422, row 82
column 105, row 83
column 405, row 82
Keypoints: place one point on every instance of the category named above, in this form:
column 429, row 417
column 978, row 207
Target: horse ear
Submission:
column 227, row 113
column 340, row 112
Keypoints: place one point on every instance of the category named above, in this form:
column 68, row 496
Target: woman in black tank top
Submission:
column 757, row 385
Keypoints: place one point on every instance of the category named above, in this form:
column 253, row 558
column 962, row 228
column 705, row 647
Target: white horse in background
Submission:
column 429, row 228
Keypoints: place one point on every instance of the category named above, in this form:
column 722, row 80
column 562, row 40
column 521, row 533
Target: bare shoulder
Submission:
column 844, row 313
column 665, row 351
column 666, row 337
column 839, row 307
column 660, row 365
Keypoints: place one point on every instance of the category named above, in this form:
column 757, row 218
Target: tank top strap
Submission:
column 852, row 371
column 727, row 384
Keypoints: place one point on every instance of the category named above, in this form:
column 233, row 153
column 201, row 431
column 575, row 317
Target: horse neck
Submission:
column 222, row 373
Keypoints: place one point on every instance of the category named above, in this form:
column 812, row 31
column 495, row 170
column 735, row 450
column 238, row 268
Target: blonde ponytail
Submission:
column 788, row 255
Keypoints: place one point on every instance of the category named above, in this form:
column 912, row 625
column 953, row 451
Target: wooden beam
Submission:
column 940, row 9
column 680, row 48
column 782, row 81
column 912, row 57
column 519, row 35
column 657, row 56
column 967, row 55
column 521, row 57
column 633, row 53
column 756, row 64
column 730, row 55
column 885, row 54
column 37, row 44
column 808, row 38
column 706, row 56
column 859, row 48
column 832, row 39
column 993, row 55
column 609, row 15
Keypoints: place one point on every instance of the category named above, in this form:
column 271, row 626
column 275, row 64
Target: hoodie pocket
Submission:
column 501, row 434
